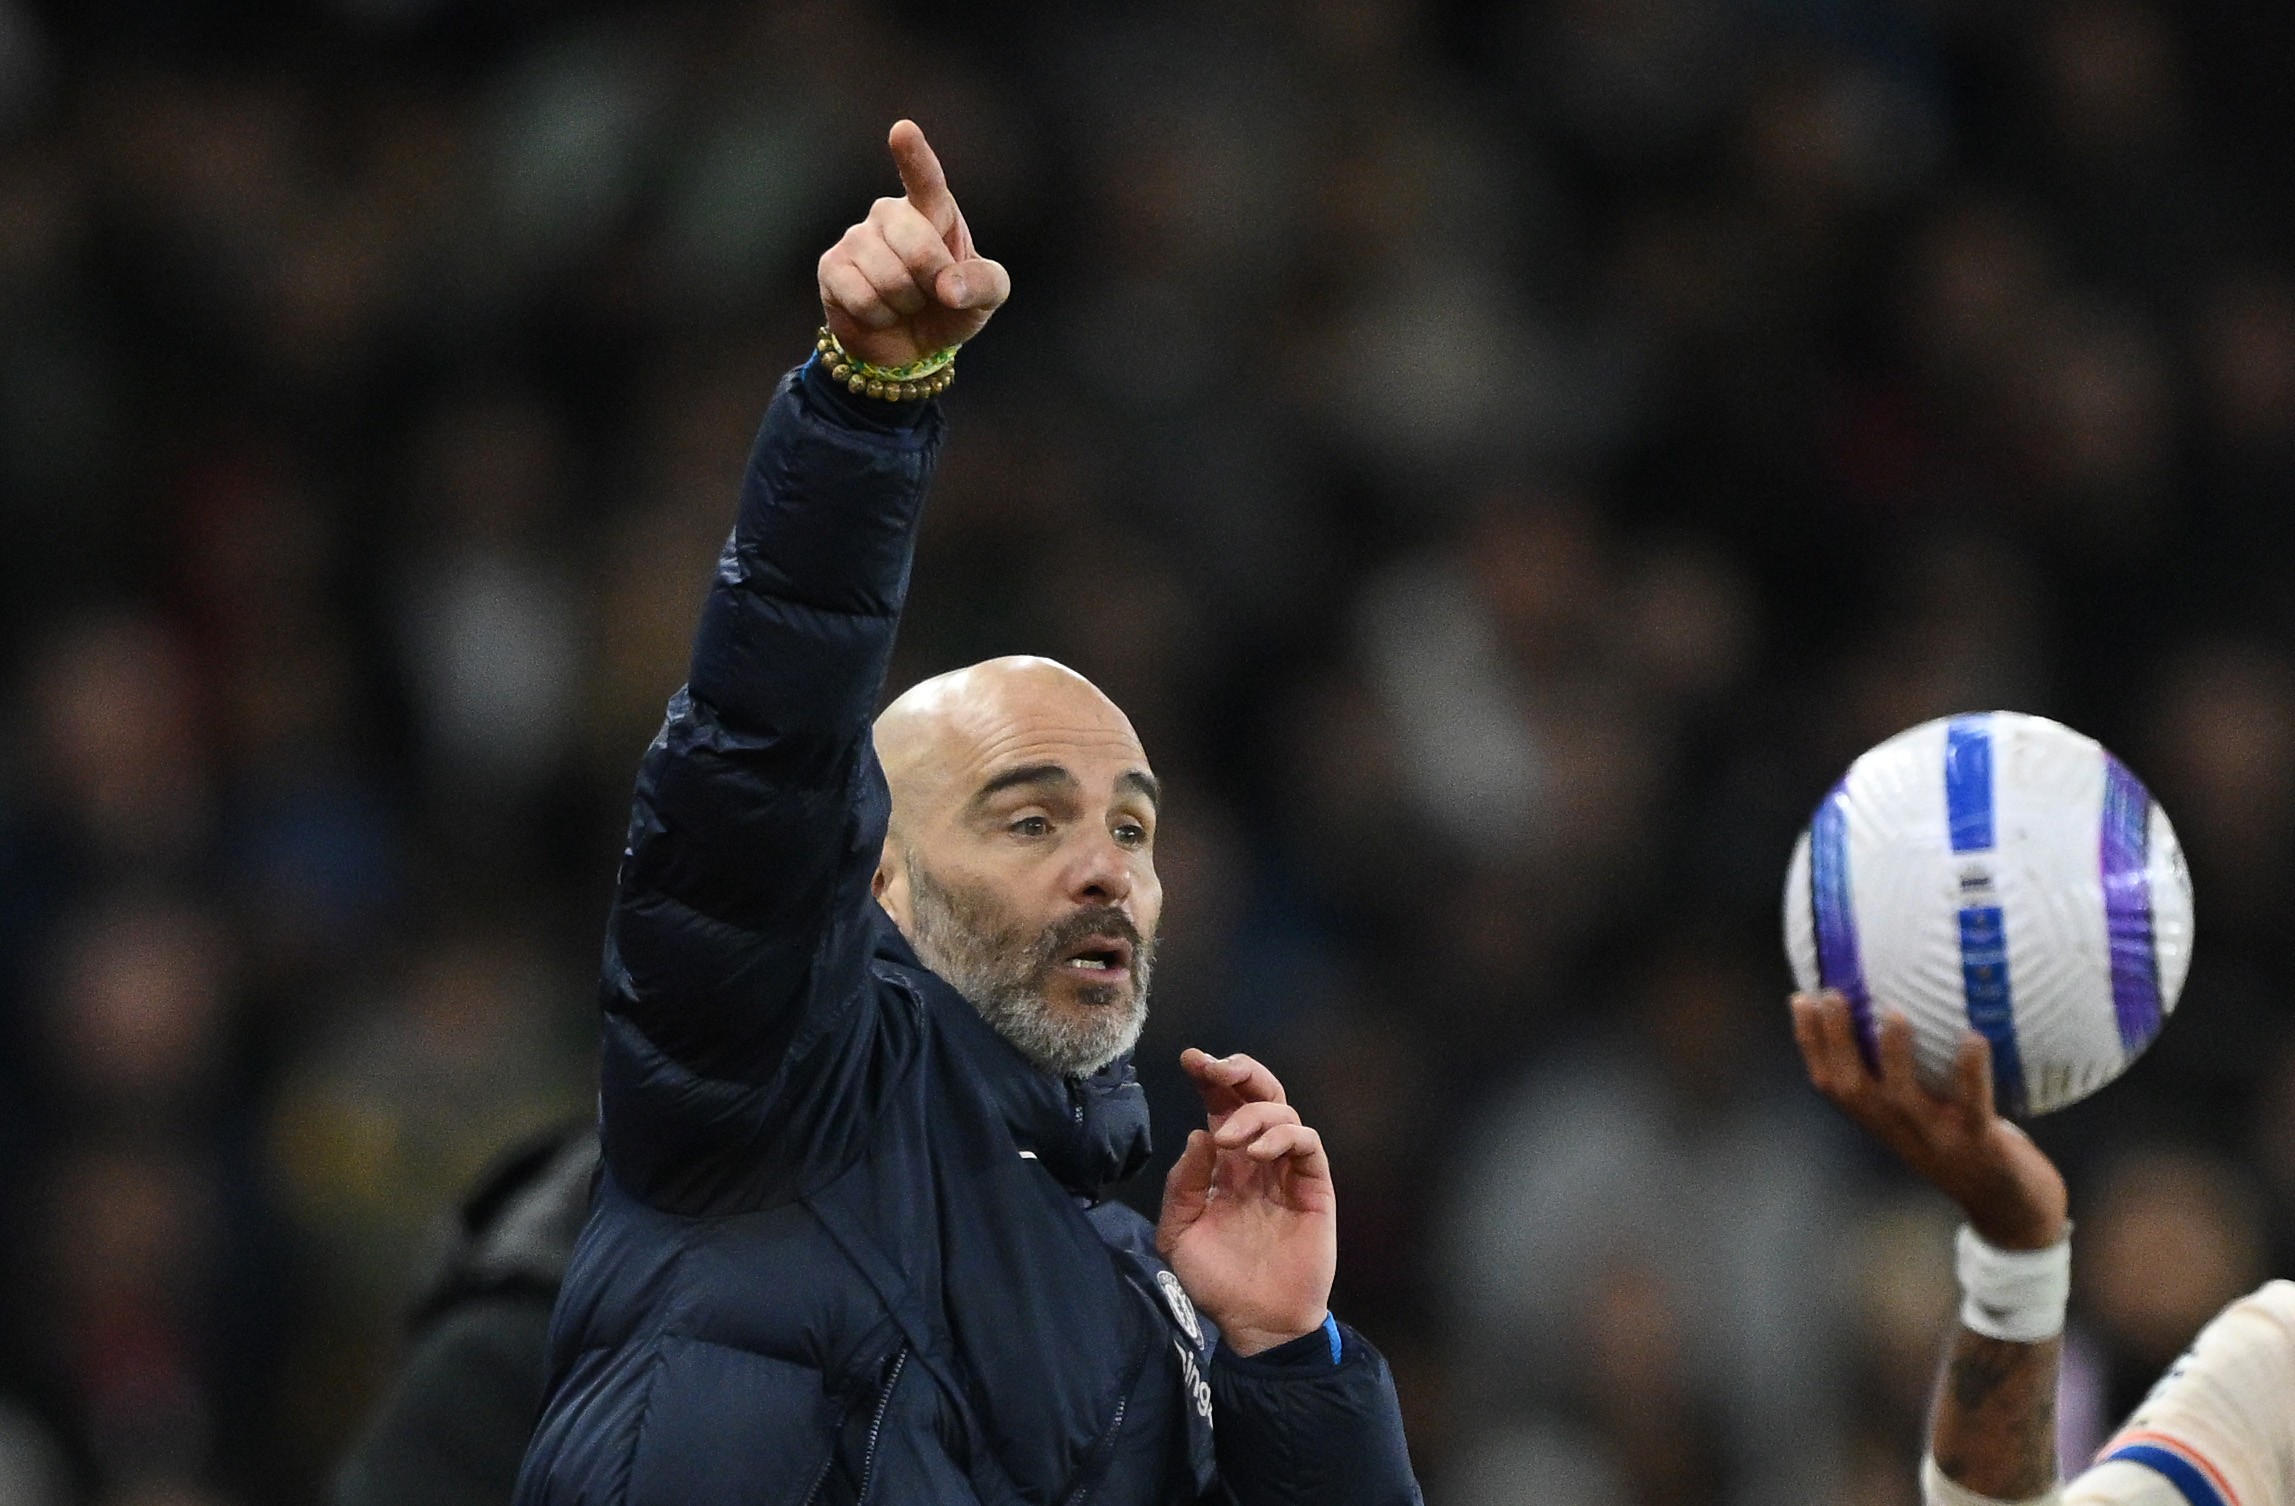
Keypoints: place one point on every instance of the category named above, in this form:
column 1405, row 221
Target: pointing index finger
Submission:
column 920, row 175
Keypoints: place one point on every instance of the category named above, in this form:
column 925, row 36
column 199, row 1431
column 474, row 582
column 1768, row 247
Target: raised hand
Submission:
column 905, row 282
column 2009, row 1189
column 1250, row 1219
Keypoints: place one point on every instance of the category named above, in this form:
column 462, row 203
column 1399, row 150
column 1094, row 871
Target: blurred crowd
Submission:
column 1507, row 457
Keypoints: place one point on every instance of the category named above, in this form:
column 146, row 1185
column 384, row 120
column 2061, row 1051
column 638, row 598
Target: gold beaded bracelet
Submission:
column 929, row 377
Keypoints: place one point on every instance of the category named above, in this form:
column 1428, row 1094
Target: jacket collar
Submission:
column 1088, row 1132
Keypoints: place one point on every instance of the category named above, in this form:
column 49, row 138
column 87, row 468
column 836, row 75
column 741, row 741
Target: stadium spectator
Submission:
column 1617, row 1278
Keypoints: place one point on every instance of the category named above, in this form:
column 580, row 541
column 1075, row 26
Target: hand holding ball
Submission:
column 2002, row 873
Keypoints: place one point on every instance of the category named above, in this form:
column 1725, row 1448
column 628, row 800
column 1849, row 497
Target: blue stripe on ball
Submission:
column 1968, row 783
column 1968, row 814
column 1991, row 1012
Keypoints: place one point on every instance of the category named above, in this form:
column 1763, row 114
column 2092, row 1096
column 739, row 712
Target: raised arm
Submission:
column 1992, row 1433
column 740, row 923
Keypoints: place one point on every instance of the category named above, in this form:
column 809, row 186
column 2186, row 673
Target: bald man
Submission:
column 868, row 1009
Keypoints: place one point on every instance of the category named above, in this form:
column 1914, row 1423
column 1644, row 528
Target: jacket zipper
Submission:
column 1103, row 1452
column 877, row 1424
column 821, row 1475
column 1114, row 1428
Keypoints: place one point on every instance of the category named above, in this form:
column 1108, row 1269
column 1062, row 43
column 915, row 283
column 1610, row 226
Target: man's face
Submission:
column 1022, row 865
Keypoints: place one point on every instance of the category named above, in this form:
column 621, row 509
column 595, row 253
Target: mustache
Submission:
column 1084, row 924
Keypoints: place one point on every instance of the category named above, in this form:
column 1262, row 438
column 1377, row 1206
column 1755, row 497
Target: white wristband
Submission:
column 2017, row 1295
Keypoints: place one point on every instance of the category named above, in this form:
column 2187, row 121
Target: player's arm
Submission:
column 741, row 912
column 2219, row 1427
column 1992, row 1433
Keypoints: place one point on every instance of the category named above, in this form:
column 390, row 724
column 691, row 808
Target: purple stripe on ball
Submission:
column 2124, row 853
column 1838, row 966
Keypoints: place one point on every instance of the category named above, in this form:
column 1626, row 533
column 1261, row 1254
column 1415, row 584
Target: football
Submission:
column 2001, row 873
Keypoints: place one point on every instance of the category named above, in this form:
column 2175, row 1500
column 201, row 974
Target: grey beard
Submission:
column 1004, row 975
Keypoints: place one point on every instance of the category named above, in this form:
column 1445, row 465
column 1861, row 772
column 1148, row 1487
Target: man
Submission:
column 2218, row 1429
column 867, row 1010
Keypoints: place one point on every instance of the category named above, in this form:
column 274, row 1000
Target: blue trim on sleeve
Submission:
column 2179, row 1472
column 1331, row 1327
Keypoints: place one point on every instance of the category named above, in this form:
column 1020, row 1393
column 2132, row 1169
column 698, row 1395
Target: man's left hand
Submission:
column 1250, row 1219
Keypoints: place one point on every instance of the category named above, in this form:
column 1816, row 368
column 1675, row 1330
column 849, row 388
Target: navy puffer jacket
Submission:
column 848, row 1244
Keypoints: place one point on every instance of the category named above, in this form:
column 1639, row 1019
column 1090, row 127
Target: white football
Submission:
column 2002, row 873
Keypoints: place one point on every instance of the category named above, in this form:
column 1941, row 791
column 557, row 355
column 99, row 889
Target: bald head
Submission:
column 1020, row 860
column 945, row 735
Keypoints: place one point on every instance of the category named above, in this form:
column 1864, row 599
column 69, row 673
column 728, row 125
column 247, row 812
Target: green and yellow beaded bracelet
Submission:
column 929, row 377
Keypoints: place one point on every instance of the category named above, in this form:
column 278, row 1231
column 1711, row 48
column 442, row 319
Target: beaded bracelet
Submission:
column 929, row 377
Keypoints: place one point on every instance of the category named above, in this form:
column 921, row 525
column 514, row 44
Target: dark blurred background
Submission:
column 1506, row 457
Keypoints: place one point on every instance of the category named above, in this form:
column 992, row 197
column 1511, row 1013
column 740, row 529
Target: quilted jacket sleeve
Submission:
column 740, row 936
column 1312, row 1421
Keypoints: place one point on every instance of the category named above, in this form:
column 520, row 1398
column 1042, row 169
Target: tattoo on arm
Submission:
column 1976, row 1375
column 1994, row 1427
